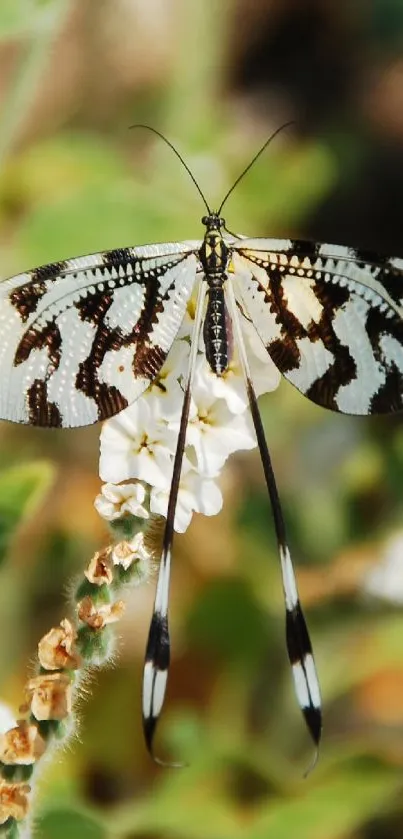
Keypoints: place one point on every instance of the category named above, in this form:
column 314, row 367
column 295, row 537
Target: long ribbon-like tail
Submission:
column 158, row 645
column 298, row 641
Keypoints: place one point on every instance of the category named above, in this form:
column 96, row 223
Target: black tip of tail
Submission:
column 313, row 719
column 312, row 764
column 149, row 728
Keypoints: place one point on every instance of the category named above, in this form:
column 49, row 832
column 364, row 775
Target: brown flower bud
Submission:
column 21, row 745
column 51, row 696
column 55, row 649
column 99, row 571
column 99, row 616
column 14, row 801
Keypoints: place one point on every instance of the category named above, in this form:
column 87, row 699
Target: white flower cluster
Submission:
column 138, row 445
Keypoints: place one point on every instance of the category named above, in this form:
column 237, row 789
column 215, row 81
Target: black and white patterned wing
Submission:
column 330, row 317
column 82, row 339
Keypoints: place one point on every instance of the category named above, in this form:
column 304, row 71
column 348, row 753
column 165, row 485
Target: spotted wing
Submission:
column 330, row 318
column 82, row 339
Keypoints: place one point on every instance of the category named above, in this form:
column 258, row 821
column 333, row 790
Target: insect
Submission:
column 83, row 338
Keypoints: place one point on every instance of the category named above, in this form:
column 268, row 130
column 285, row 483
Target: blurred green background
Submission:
column 217, row 78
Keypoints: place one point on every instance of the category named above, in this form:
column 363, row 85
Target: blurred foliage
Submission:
column 73, row 179
column 21, row 17
column 22, row 490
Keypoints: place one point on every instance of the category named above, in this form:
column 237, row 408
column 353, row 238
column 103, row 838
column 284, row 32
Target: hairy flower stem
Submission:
column 66, row 654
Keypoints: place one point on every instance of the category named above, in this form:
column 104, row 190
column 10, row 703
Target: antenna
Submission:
column 254, row 159
column 179, row 156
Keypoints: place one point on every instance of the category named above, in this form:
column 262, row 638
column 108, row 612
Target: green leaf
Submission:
column 67, row 823
column 82, row 201
column 184, row 808
column 198, row 803
column 330, row 810
column 13, row 17
column 212, row 625
column 285, row 189
column 22, row 489
column 21, row 17
column 342, row 664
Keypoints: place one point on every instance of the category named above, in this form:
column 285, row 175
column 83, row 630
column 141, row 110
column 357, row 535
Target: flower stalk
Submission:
column 66, row 655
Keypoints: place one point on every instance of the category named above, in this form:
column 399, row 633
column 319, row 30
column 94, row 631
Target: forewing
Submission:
column 330, row 318
column 82, row 339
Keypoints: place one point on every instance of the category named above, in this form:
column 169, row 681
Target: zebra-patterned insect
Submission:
column 81, row 339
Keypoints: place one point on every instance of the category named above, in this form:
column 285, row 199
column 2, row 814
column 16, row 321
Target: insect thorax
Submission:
column 214, row 256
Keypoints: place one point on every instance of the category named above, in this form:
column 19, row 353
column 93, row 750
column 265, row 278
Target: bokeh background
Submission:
column 217, row 78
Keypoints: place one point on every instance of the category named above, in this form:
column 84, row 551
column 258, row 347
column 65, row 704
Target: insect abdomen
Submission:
column 217, row 331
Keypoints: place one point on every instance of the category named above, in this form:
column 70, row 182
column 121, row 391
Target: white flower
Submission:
column 137, row 443
column 230, row 386
column 125, row 553
column 385, row 579
column 166, row 387
column 114, row 501
column 196, row 494
column 187, row 325
column 265, row 375
column 214, row 432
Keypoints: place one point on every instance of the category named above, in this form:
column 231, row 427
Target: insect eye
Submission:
column 205, row 220
column 221, row 222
